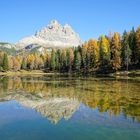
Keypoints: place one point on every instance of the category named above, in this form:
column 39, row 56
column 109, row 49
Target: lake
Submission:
column 69, row 108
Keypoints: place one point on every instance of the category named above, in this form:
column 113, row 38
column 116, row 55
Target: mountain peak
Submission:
column 54, row 24
column 53, row 35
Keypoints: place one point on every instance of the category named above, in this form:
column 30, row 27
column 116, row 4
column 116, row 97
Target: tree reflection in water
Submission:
column 60, row 97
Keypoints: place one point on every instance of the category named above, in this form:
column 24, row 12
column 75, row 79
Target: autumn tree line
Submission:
column 108, row 53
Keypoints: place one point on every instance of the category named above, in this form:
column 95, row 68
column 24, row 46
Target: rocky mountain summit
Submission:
column 53, row 35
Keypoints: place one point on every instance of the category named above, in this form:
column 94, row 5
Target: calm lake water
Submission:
column 68, row 108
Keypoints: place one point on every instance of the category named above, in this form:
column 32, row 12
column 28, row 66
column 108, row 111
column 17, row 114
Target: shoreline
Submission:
column 40, row 72
column 24, row 72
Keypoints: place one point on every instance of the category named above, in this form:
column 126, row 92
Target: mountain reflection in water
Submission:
column 61, row 97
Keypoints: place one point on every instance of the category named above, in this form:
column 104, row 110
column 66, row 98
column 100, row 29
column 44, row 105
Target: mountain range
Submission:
column 53, row 35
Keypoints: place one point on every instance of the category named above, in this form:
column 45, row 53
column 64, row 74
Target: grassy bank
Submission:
column 24, row 72
column 40, row 72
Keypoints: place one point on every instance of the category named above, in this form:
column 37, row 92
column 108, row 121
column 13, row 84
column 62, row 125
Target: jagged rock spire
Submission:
column 53, row 35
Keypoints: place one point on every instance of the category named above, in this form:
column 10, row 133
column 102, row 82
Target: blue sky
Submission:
column 89, row 18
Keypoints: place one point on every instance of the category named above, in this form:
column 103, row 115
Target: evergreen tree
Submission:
column 84, row 56
column 53, row 60
column 70, row 59
column 78, row 60
column 47, row 60
column 63, row 60
column 30, row 61
column 132, row 45
column 101, row 59
column 104, row 51
column 5, row 62
column 125, row 50
column 16, row 64
column 95, row 53
column 90, row 53
column 24, row 64
column 138, row 45
column 58, row 60
column 115, row 51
